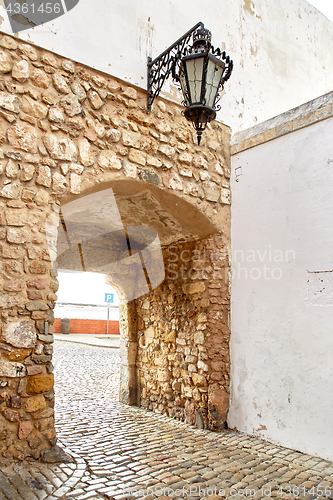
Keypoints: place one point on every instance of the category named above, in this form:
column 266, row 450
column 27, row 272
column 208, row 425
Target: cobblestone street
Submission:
column 122, row 451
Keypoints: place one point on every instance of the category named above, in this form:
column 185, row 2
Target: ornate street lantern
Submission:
column 201, row 72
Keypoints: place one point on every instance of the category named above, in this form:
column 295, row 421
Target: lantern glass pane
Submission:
column 194, row 69
column 214, row 75
column 183, row 85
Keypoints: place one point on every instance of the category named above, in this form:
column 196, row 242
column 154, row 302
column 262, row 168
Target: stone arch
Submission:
column 66, row 132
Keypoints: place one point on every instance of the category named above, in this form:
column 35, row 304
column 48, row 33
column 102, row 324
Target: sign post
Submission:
column 108, row 298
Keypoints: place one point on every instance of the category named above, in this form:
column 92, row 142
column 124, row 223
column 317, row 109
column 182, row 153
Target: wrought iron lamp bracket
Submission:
column 160, row 68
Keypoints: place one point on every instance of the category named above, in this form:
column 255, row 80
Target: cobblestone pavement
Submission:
column 123, row 451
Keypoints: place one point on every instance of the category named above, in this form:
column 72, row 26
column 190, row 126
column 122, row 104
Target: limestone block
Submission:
column 130, row 92
column 225, row 196
column 137, row 157
column 28, row 51
column 49, row 59
column 11, row 369
column 40, row 79
column 56, row 115
column 18, row 236
column 43, row 177
column 163, row 375
column 163, row 127
column 68, row 66
column 11, row 169
column 128, row 352
column 6, row 62
column 86, row 155
column 132, row 139
column 59, row 183
column 8, row 43
column 14, row 286
column 35, row 403
column 20, row 71
column 108, row 160
column 75, row 183
column 130, row 169
column 27, row 172
column 60, row 148
column 113, row 135
column 167, row 150
column 36, row 305
column 11, row 102
column 40, row 383
column 154, row 162
column 20, row 333
column 60, row 83
column 25, row 428
column 71, row 105
column 78, row 90
column 94, row 99
column 34, row 108
column 23, row 136
column 41, row 197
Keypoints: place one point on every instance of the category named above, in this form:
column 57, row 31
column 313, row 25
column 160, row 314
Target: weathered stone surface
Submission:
column 11, row 415
column 113, row 135
column 25, row 428
column 11, row 169
column 34, row 108
column 132, row 139
column 168, row 151
column 23, row 136
column 8, row 43
column 163, row 126
column 36, row 305
column 11, row 369
column 78, row 90
column 11, row 191
column 20, row 71
column 130, row 170
column 16, row 217
column 94, row 99
column 211, row 190
column 68, row 65
column 71, row 105
column 35, row 403
column 59, row 183
column 60, row 148
column 56, row 455
column 153, row 161
column 49, row 59
column 75, row 183
column 86, row 156
column 40, row 78
column 130, row 92
column 41, row 197
column 14, row 286
column 28, row 51
column 11, row 102
column 149, row 175
column 137, row 157
column 108, row 160
column 20, row 333
column 6, row 62
column 56, row 115
column 40, row 383
column 225, row 196
column 34, row 370
column 60, row 83
column 43, row 177
column 18, row 236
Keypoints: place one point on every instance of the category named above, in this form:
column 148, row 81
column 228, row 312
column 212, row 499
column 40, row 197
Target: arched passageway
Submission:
column 68, row 133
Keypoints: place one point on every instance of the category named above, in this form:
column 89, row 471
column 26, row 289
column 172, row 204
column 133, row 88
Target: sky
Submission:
column 324, row 6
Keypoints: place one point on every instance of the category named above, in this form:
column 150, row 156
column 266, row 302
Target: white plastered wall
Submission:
column 282, row 290
column 279, row 48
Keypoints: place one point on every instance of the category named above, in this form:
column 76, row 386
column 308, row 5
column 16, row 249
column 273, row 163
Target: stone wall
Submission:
column 183, row 334
column 67, row 131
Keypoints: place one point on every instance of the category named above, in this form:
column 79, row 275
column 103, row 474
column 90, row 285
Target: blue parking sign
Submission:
column 108, row 297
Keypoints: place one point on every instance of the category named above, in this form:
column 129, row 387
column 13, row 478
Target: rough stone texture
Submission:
column 19, row 333
column 72, row 131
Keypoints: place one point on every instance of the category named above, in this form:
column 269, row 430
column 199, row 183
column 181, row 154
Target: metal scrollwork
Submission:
column 160, row 68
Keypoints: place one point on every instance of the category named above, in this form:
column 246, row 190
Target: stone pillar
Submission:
column 128, row 390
